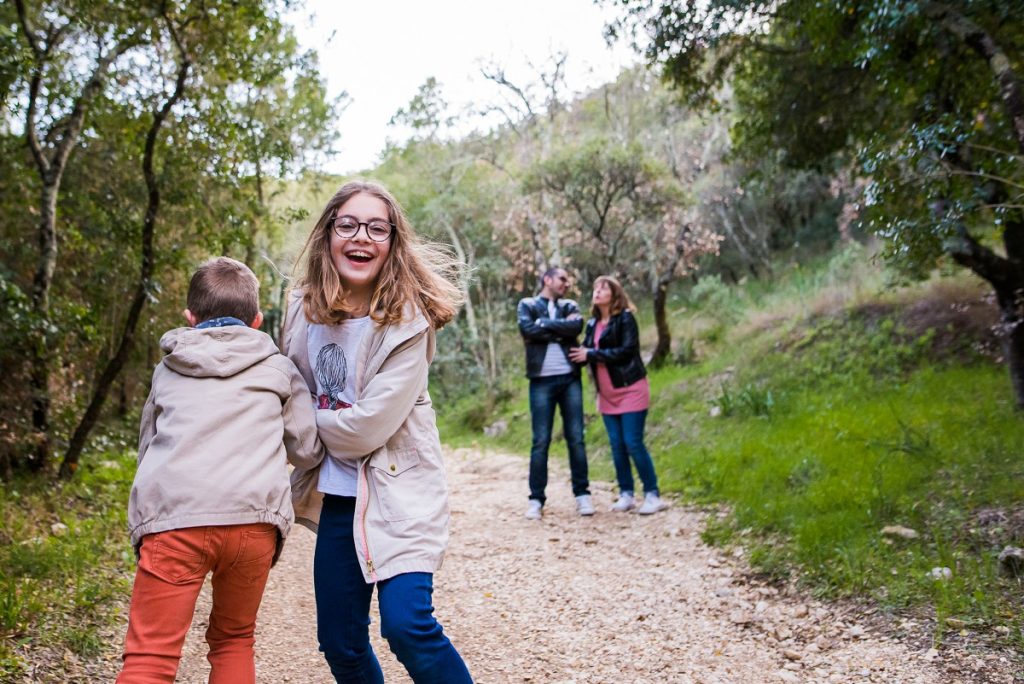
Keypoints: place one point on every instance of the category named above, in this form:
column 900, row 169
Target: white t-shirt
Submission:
column 332, row 356
column 555, row 362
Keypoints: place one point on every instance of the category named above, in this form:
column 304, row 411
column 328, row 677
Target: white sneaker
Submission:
column 652, row 504
column 535, row 510
column 625, row 503
column 584, row 505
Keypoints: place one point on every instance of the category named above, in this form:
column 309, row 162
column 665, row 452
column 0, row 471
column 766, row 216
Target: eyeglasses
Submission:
column 377, row 230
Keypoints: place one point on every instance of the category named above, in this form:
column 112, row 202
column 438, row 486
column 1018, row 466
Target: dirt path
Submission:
column 613, row 598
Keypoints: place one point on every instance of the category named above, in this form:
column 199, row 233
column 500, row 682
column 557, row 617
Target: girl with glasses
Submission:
column 360, row 327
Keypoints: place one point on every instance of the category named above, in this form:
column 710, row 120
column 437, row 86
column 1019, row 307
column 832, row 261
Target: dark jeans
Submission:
column 626, row 437
column 565, row 392
column 343, row 611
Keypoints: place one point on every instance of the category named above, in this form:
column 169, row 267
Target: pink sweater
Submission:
column 614, row 401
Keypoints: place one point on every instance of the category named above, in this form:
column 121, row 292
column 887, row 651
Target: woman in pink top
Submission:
column 611, row 346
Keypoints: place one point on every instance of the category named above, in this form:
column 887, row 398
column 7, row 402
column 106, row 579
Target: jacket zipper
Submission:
column 364, row 486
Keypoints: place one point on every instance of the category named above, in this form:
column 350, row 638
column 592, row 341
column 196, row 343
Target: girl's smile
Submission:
column 359, row 259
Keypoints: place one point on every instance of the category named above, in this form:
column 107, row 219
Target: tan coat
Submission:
column 225, row 415
column 401, row 521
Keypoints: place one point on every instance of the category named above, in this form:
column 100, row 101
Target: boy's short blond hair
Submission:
column 224, row 287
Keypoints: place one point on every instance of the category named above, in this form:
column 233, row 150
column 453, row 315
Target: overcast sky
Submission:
column 382, row 51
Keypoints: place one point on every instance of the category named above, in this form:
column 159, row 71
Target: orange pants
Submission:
column 172, row 568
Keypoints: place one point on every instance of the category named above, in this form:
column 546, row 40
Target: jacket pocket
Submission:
column 402, row 484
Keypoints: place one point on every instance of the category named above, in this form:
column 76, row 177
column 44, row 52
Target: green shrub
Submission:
column 714, row 297
column 685, row 352
column 750, row 400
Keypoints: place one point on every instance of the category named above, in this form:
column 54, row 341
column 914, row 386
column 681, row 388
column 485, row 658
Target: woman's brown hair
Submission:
column 620, row 300
column 415, row 272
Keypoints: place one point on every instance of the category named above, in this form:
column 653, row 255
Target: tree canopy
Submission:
column 923, row 99
column 136, row 140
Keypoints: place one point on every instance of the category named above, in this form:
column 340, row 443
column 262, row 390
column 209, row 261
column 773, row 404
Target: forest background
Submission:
column 816, row 206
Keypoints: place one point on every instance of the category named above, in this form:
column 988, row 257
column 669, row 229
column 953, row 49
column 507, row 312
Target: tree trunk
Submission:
column 40, row 388
column 982, row 42
column 1010, row 296
column 1006, row 275
column 39, row 378
column 493, row 367
column 122, row 399
column 460, row 252
column 113, row 368
column 664, row 346
column 1012, row 333
column 50, row 152
column 759, row 244
column 554, row 232
column 745, row 254
column 539, row 258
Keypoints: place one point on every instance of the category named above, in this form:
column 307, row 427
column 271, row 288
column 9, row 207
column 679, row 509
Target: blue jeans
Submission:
column 343, row 611
column 565, row 392
column 626, row 437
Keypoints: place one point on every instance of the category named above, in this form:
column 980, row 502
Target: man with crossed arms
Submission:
column 549, row 326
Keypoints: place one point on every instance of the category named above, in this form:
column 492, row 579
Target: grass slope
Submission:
column 64, row 569
column 826, row 407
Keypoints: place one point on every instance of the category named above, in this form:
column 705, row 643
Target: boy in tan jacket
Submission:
column 225, row 414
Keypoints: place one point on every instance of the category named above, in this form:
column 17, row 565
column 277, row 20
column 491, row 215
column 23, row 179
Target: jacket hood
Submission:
column 215, row 352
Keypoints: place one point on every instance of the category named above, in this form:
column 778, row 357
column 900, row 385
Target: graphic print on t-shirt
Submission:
column 332, row 371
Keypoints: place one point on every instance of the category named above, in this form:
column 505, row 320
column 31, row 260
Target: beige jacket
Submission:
column 401, row 521
column 225, row 414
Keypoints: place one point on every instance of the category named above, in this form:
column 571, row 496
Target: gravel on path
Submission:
column 611, row 598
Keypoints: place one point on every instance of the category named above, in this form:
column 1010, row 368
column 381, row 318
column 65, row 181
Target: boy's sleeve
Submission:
column 147, row 424
column 301, row 442
column 382, row 407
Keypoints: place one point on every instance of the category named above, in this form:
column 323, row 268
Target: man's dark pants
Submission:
column 565, row 392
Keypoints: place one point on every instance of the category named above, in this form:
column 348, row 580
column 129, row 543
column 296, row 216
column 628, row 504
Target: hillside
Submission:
column 820, row 408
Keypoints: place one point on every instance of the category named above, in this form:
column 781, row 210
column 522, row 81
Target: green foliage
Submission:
column 609, row 190
column 65, row 560
column 253, row 104
column 712, row 294
column 919, row 97
column 685, row 352
column 425, row 112
column 748, row 400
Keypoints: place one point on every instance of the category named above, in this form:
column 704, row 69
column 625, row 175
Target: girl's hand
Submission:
column 578, row 354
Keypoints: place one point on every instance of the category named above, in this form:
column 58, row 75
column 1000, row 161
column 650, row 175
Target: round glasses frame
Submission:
column 343, row 228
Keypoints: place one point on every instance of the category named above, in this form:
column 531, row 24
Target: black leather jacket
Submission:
column 539, row 330
column 619, row 351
